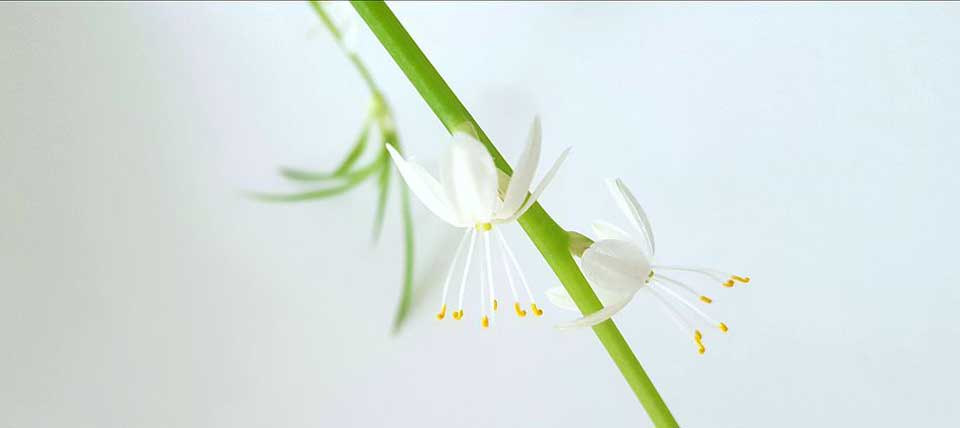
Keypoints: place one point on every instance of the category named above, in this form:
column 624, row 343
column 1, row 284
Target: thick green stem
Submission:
column 546, row 234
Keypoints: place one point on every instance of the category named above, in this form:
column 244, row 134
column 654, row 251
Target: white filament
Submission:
column 692, row 307
column 466, row 267
column 516, row 264
column 453, row 265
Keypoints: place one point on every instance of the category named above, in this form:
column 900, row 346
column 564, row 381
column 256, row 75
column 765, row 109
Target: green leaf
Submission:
column 406, row 294
column 350, row 181
column 383, row 184
column 342, row 170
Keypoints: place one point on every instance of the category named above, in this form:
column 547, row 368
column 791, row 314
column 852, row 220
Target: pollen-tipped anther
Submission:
column 536, row 311
column 520, row 312
column 442, row 313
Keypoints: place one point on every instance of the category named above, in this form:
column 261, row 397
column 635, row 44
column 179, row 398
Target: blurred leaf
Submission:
column 383, row 183
column 351, row 180
column 342, row 170
column 406, row 295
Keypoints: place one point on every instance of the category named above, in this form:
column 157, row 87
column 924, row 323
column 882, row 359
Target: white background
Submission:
column 810, row 146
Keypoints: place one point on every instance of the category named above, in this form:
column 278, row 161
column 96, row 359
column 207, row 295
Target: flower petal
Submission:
column 425, row 187
column 616, row 265
column 523, row 173
column 470, row 179
column 632, row 209
column 540, row 187
column 600, row 316
column 560, row 298
column 605, row 230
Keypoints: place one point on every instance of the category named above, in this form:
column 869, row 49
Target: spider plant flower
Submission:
column 473, row 195
column 620, row 266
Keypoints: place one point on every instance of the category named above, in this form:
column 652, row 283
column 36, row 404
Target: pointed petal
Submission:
column 470, row 179
column 542, row 186
column 600, row 316
column 605, row 230
column 632, row 209
column 425, row 187
column 523, row 173
column 616, row 265
column 561, row 299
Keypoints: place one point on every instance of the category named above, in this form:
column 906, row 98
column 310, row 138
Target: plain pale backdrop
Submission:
column 811, row 146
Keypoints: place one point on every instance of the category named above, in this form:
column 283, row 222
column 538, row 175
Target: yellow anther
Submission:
column 483, row 227
column 698, row 337
column 729, row 283
column 723, row 327
column 743, row 279
column 520, row 312
column 536, row 311
column 495, row 304
column 458, row 314
column 443, row 312
column 485, row 322
column 706, row 299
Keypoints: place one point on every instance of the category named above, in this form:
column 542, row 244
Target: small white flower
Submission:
column 471, row 194
column 620, row 266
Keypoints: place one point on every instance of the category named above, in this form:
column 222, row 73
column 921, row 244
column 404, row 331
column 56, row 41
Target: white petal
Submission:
column 605, row 230
column 632, row 209
column 542, row 186
column 425, row 187
column 523, row 173
column 616, row 265
column 560, row 298
column 599, row 316
column 470, row 179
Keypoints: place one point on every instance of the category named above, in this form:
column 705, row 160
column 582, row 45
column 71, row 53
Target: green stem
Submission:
column 546, row 234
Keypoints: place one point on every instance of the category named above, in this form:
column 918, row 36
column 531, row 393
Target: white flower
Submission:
column 619, row 267
column 470, row 195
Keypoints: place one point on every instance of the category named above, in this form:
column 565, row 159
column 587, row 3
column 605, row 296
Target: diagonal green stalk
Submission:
column 550, row 239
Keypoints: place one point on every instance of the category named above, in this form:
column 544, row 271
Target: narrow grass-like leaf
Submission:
column 383, row 184
column 406, row 295
column 342, row 170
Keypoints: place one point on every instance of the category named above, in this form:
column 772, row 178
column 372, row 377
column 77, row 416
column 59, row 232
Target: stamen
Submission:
column 453, row 265
column 466, row 270
column 723, row 327
column 536, row 311
column 695, row 309
column 506, row 268
column 443, row 312
column 698, row 337
column 683, row 286
column 458, row 315
column 516, row 264
column 485, row 322
column 706, row 299
column 489, row 265
column 679, row 320
column 727, row 279
column 483, row 227
column 520, row 312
